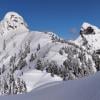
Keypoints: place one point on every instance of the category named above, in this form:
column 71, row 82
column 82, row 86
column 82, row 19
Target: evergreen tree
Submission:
column 22, row 63
column 64, row 74
column 4, row 45
column 61, row 52
column 32, row 57
column 23, row 87
column 39, row 65
column 38, row 47
column 18, row 85
column 3, row 68
column 5, row 87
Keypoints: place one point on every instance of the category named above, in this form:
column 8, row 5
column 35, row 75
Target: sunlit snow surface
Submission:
column 82, row 89
column 35, row 78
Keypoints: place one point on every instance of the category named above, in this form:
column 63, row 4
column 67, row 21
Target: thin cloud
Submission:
column 73, row 30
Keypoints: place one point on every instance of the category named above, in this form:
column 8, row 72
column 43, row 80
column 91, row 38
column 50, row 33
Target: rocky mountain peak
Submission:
column 12, row 22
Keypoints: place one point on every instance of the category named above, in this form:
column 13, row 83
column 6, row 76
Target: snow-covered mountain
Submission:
column 12, row 22
column 29, row 59
column 91, row 35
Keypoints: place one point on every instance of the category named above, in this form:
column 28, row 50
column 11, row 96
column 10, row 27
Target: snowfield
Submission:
column 35, row 78
column 82, row 89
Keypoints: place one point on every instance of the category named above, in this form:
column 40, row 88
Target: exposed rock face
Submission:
column 11, row 22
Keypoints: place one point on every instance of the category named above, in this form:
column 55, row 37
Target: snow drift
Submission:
column 82, row 89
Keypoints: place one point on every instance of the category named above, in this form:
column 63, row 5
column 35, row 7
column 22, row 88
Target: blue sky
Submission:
column 64, row 17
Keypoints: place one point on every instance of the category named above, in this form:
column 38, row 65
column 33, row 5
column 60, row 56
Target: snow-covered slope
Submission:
column 37, row 78
column 82, row 89
column 30, row 59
